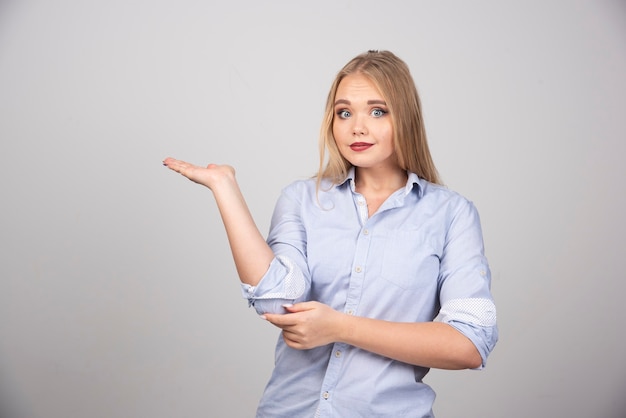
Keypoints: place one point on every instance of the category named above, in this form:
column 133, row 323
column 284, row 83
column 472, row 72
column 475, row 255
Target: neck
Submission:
column 381, row 179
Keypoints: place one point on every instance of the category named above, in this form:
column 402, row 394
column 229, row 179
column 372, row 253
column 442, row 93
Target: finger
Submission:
column 290, row 338
column 171, row 162
column 280, row 320
column 296, row 341
column 299, row 307
column 179, row 166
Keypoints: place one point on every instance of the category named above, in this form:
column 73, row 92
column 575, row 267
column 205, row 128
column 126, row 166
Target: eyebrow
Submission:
column 369, row 102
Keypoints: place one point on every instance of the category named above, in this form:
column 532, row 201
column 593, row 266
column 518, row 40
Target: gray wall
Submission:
column 118, row 296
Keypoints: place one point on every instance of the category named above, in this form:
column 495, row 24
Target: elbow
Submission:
column 470, row 357
column 467, row 357
column 464, row 361
column 470, row 354
column 473, row 359
column 462, row 357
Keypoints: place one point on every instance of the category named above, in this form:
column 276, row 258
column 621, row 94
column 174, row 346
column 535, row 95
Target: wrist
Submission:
column 346, row 328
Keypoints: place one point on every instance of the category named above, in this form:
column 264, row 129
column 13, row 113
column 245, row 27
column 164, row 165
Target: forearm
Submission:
column 426, row 344
column 250, row 251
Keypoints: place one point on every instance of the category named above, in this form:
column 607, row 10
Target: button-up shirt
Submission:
column 419, row 258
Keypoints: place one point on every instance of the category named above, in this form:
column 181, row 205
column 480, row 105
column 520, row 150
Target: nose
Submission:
column 358, row 127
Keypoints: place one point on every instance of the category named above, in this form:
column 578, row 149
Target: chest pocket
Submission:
column 409, row 261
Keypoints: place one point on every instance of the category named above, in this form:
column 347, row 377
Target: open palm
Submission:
column 208, row 176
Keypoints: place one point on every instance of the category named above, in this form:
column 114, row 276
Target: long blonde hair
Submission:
column 393, row 79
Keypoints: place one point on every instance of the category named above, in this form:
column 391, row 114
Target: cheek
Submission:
column 389, row 136
column 338, row 132
column 388, row 130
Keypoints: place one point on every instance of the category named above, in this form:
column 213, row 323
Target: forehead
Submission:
column 357, row 85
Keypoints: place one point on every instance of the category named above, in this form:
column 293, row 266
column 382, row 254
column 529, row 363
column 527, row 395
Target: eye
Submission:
column 378, row 112
column 343, row 113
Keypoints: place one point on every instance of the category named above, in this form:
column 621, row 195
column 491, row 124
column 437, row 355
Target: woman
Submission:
column 373, row 270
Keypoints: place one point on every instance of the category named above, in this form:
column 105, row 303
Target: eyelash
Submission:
column 342, row 112
column 383, row 112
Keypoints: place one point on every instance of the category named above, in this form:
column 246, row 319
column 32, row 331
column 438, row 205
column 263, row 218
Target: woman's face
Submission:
column 362, row 124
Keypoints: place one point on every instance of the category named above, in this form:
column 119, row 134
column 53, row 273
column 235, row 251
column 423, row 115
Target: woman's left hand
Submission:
column 308, row 324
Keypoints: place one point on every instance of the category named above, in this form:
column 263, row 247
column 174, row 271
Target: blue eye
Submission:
column 377, row 113
column 343, row 113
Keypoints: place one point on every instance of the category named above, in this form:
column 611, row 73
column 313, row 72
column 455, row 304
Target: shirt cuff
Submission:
column 476, row 319
column 283, row 283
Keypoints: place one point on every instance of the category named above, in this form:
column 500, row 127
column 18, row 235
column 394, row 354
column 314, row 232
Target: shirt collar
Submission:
column 411, row 182
column 347, row 181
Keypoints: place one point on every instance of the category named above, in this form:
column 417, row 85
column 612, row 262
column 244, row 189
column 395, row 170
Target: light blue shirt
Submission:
column 419, row 258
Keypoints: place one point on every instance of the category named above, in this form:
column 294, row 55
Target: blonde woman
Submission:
column 373, row 270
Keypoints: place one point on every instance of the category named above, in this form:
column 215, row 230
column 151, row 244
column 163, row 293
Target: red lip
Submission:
column 360, row 146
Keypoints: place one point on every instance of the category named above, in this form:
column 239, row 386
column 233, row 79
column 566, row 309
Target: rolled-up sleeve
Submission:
column 287, row 279
column 283, row 283
column 465, row 280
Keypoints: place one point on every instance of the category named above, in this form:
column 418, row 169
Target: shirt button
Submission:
column 361, row 202
column 326, row 395
column 349, row 311
column 358, row 269
column 483, row 273
column 366, row 232
column 337, row 353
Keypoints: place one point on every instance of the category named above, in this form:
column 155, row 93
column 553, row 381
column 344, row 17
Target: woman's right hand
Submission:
column 210, row 176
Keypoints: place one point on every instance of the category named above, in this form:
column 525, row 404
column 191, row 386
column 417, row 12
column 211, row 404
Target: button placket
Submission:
column 362, row 209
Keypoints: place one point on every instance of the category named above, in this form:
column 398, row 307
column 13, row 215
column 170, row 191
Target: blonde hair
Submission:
column 392, row 78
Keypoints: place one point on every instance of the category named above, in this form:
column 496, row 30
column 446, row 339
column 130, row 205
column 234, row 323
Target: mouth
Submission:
column 360, row 146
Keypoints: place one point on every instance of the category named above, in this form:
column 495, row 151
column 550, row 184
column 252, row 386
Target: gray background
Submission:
column 118, row 296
